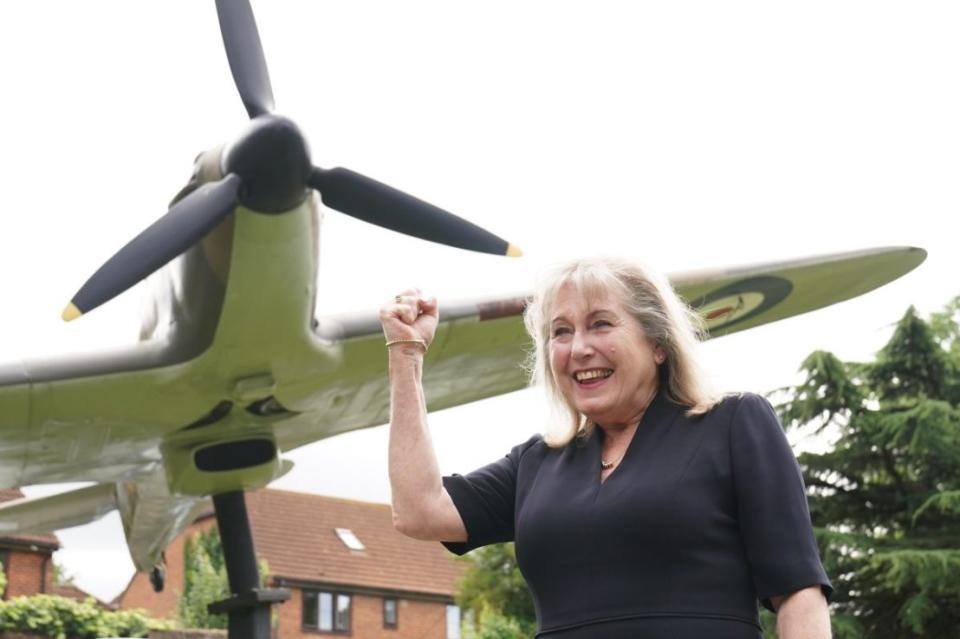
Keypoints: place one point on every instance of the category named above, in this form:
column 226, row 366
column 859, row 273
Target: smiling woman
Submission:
column 658, row 510
column 588, row 310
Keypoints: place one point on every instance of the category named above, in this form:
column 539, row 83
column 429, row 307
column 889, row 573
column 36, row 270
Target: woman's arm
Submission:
column 802, row 615
column 422, row 509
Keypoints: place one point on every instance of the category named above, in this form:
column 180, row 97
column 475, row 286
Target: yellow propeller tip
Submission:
column 71, row 312
column 513, row 251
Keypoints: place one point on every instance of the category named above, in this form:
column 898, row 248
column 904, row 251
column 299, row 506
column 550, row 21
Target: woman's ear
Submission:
column 658, row 355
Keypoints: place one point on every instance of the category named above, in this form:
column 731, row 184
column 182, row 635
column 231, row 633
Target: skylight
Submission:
column 349, row 539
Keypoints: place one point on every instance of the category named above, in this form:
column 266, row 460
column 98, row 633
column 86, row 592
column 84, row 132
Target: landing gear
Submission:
column 158, row 576
column 248, row 610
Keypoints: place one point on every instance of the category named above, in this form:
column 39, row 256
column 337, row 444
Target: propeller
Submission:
column 374, row 202
column 245, row 55
column 181, row 227
column 268, row 170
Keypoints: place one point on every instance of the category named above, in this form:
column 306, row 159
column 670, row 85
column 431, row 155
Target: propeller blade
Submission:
column 184, row 225
column 374, row 202
column 245, row 54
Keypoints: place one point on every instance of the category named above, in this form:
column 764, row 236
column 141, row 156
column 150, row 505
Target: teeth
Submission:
column 583, row 376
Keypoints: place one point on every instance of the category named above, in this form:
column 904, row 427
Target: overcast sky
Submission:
column 689, row 135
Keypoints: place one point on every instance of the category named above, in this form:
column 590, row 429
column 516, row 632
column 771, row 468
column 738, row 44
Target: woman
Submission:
column 662, row 511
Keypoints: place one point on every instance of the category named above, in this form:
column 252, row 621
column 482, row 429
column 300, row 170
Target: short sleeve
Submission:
column 772, row 505
column 485, row 500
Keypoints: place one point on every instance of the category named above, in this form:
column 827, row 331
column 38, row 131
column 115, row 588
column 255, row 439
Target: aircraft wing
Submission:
column 108, row 420
column 134, row 422
column 96, row 419
column 53, row 512
column 736, row 299
column 152, row 517
column 480, row 345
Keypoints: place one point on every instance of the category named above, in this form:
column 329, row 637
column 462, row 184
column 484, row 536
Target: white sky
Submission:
column 688, row 134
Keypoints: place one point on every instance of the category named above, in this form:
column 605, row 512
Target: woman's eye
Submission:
column 562, row 330
column 601, row 323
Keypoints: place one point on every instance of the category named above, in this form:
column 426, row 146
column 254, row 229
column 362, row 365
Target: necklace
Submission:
column 607, row 465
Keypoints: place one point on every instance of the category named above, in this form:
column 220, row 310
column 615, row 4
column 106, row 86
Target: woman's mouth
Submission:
column 592, row 377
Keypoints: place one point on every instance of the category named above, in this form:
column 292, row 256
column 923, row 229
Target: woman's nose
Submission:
column 581, row 346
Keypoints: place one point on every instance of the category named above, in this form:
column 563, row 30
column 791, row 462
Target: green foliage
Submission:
column 59, row 617
column 946, row 502
column 934, row 571
column 3, row 581
column 493, row 589
column 205, row 581
column 495, row 626
column 886, row 499
column 846, row 627
column 945, row 327
column 768, row 623
column 61, row 576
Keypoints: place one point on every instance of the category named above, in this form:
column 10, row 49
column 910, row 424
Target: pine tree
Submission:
column 885, row 499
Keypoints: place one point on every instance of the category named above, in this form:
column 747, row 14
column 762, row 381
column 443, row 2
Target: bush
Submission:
column 494, row 626
column 62, row 618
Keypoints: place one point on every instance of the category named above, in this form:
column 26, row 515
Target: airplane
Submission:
column 232, row 370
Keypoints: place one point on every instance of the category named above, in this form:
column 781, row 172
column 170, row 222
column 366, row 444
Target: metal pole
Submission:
column 248, row 609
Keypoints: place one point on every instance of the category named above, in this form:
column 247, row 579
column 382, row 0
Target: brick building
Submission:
column 27, row 560
column 348, row 571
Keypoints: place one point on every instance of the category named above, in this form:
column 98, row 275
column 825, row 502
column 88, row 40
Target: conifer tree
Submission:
column 885, row 500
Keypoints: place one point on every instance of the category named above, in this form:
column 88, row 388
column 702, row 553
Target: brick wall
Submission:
column 25, row 573
column 140, row 593
column 416, row 619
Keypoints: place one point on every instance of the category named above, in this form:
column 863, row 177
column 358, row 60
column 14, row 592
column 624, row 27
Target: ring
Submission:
column 398, row 299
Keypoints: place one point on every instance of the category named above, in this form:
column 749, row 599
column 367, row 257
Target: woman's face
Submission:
column 601, row 359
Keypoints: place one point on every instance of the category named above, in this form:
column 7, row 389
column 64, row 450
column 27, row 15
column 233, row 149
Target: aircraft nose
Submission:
column 273, row 160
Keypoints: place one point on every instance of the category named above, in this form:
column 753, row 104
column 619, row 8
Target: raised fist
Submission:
column 410, row 316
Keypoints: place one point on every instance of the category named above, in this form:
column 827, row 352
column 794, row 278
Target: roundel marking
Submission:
column 741, row 300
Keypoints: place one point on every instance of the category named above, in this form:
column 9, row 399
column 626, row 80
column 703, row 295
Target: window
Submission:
column 349, row 539
column 389, row 613
column 453, row 622
column 327, row 611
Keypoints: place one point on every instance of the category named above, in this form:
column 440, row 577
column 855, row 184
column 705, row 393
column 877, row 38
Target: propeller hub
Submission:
column 272, row 159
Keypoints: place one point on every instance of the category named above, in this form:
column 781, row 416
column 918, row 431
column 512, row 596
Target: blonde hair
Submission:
column 650, row 299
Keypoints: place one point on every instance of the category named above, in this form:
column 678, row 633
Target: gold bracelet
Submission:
column 421, row 342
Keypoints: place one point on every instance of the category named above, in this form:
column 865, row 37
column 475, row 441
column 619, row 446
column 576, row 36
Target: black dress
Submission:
column 703, row 517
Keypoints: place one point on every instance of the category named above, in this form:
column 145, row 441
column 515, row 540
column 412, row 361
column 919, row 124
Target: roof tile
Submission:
column 294, row 533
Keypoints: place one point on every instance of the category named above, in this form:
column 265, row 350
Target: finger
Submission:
column 410, row 292
column 403, row 313
column 428, row 306
column 407, row 296
column 406, row 312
